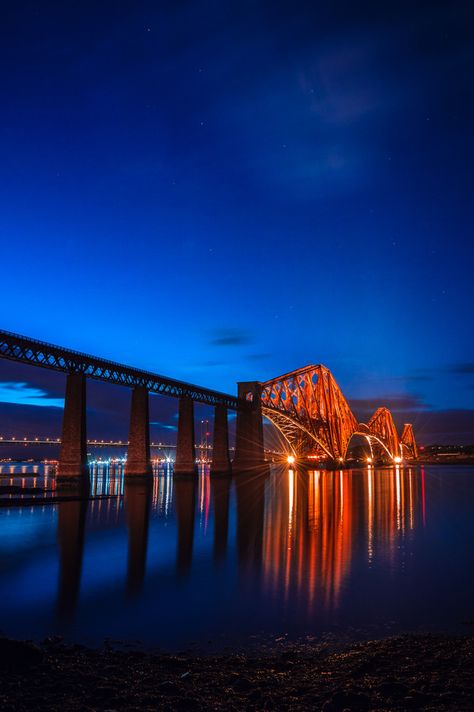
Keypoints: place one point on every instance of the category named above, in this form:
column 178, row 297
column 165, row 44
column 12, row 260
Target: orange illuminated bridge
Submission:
column 308, row 408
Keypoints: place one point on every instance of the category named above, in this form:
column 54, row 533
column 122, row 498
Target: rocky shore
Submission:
column 410, row 672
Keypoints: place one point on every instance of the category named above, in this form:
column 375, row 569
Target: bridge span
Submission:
column 306, row 406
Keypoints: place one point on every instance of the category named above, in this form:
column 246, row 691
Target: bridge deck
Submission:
column 56, row 358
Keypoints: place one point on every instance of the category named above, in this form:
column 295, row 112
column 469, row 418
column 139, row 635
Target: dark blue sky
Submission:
column 223, row 191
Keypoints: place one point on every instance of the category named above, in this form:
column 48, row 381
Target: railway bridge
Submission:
column 306, row 406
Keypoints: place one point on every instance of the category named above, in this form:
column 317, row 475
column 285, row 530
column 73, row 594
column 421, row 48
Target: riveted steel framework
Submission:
column 306, row 405
column 313, row 402
column 408, row 441
column 309, row 409
column 381, row 425
column 38, row 353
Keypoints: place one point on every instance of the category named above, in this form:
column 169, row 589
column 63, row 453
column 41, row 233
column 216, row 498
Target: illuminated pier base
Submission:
column 220, row 447
column 185, row 463
column 138, row 458
column 249, row 451
column 73, row 454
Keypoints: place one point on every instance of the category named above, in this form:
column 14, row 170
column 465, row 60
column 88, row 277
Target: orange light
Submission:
column 290, row 459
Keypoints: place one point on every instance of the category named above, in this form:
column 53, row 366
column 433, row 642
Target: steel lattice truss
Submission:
column 37, row 353
column 308, row 408
column 382, row 427
column 408, row 441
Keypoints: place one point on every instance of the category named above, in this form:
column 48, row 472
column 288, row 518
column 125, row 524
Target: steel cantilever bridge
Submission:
column 306, row 406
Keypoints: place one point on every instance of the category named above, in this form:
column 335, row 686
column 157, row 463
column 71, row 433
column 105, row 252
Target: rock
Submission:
column 242, row 684
column 416, row 699
column 392, row 689
column 346, row 699
column 19, row 654
column 168, row 687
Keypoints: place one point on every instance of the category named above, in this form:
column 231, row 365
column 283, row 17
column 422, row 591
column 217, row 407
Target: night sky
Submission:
column 223, row 191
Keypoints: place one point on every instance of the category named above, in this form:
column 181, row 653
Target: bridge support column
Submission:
column 185, row 463
column 73, row 454
column 220, row 447
column 138, row 458
column 249, row 450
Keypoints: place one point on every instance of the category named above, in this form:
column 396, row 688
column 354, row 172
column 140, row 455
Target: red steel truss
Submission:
column 311, row 399
column 382, row 427
column 408, row 441
column 308, row 408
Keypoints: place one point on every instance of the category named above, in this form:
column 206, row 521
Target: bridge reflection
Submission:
column 137, row 507
column 299, row 535
column 220, row 488
column 71, row 529
column 315, row 520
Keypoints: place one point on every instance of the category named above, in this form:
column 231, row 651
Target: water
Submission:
column 292, row 553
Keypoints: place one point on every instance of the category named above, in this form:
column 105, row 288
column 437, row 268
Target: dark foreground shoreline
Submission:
column 419, row 672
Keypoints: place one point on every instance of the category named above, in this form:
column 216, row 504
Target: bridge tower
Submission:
column 249, row 450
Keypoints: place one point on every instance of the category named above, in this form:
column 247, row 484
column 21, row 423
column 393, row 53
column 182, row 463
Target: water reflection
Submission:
column 250, row 491
column 137, row 507
column 71, row 528
column 316, row 520
column 295, row 532
column 304, row 547
column 220, row 486
column 185, row 505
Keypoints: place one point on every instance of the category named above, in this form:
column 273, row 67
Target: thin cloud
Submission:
column 258, row 357
column 230, row 337
column 465, row 368
column 393, row 402
column 454, row 426
column 166, row 426
column 25, row 394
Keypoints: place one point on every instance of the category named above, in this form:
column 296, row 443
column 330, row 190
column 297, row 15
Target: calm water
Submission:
column 296, row 553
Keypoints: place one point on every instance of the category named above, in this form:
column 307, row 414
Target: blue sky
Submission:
column 229, row 191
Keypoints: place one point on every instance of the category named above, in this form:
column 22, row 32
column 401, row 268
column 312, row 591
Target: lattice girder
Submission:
column 382, row 426
column 314, row 401
column 408, row 441
column 38, row 353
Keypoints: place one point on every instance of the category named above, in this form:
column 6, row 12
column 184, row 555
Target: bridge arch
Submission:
column 363, row 431
column 309, row 410
column 293, row 431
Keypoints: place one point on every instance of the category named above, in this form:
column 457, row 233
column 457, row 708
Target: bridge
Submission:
column 306, row 406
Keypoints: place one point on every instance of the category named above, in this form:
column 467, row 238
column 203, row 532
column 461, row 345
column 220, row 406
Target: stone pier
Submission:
column 138, row 458
column 73, row 454
column 185, row 463
column 220, row 448
column 249, row 450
